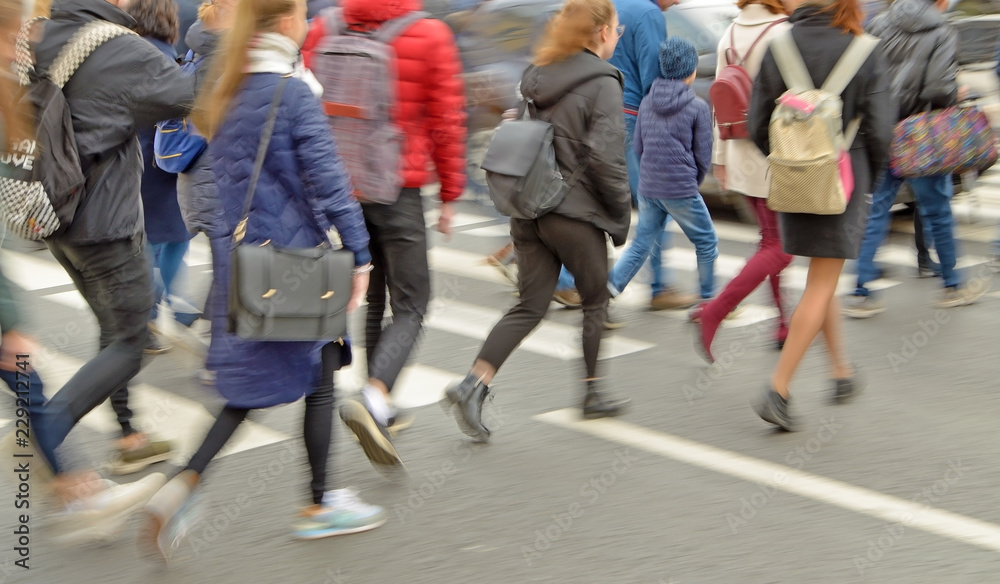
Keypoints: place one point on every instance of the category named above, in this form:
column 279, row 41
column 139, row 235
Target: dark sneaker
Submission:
column 596, row 405
column 133, row 460
column 844, row 390
column 954, row 296
column 374, row 438
column 774, row 409
column 464, row 400
column 857, row 306
column 928, row 269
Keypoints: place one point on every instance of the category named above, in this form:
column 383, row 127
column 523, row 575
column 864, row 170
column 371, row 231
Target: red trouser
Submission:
column 768, row 262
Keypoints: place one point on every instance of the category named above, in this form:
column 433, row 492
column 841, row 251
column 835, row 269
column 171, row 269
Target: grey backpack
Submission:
column 521, row 169
column 358, row 74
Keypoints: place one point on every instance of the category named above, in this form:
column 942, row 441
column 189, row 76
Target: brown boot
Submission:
column 671, row 299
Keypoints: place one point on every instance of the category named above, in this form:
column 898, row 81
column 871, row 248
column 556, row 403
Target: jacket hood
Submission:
column 99, row 9
column 915, row 15
column 669, row 96
column 377, row 11
column 547, row 84
column 201, row 41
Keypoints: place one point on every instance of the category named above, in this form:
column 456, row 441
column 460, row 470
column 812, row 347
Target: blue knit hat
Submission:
column 678, row 58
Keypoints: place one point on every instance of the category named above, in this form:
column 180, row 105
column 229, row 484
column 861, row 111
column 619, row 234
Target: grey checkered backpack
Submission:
column 41, row 182
column 358, row 74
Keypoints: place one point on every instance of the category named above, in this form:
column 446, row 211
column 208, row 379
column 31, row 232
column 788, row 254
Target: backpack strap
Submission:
column 845, row 70
column 84, row 42
column 790, row 64
column 757, row 40
column 23, row 63
column 333, row 21
column 391, row 29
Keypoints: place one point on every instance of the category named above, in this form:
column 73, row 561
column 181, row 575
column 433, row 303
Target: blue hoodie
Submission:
column 673, row 138
column 637, row 54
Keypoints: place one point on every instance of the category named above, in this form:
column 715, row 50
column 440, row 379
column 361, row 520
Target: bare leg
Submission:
column 484, row 371
column 833, row 334
column 808, row 319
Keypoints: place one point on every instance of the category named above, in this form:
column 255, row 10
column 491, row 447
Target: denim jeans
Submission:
column 933, row 199
column 694, row 220
column 168, row 259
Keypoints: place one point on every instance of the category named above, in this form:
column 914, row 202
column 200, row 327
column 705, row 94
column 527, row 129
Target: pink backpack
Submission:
column 358, row 74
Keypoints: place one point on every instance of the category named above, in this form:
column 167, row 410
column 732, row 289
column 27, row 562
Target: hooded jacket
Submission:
column 124, row 85
column 430, row 107
column 582, row 98
column 922, row 52
column 673, row 138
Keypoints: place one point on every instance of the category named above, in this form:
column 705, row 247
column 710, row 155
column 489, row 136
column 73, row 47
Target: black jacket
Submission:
column 582, row 98
column 922, row 51
column 124, row 85
column 867, row 95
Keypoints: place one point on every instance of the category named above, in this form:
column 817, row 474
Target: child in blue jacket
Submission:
column 673, row 138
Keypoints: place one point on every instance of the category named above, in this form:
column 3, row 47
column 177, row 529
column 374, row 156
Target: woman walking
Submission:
column 571, row 85
column 740, row 167
column 303, row 190
column 822, row 31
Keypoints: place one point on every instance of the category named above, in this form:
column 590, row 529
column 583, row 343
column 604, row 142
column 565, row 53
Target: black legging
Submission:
column 317, row 426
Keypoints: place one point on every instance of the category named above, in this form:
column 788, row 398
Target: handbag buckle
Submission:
column 269, row 293
column 327, row 296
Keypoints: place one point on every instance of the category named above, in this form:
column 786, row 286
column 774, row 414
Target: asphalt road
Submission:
column 688, row 487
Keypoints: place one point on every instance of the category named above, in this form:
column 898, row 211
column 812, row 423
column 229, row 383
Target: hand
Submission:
column 719, row 171
column 13, row 344
column 359, row 287
column 963, row 92
column 444, row 221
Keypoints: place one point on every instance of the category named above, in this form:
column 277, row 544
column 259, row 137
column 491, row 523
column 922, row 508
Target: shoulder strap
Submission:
column 333, row 21
column 265, row 141
column 390, row 29
column 23, row 63
column 757, row 40
column 790, row 64
column 849, row 64
column 84, row 42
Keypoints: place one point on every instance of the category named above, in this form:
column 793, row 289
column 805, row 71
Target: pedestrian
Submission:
column 303, row 190
column 740, row 167
column 430, row 110
column 571, row 85
column 673, row 139
column 822, row 31
column 922, row 52
column 126, row 83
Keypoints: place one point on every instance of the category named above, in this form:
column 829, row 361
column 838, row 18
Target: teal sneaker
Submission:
column 341, row 513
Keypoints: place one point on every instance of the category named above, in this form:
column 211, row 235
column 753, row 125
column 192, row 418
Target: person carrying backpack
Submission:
column 922, row 52
column 740, row 167
column 571, row 86
column 402, row 126
column 124, row 84
column 822, row 32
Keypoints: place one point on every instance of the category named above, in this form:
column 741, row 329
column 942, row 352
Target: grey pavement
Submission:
column 548, row 503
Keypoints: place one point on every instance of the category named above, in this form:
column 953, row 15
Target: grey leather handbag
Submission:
column 286, row 294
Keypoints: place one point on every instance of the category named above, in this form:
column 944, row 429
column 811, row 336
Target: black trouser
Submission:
column 399, row 256
column 317, row 426
column 923, row 256
column 542, row 247
column 114, row 279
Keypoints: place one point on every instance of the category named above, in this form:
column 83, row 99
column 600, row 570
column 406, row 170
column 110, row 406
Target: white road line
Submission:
column 164, row 414
column 550, row 339
column 417, row 385
column 33, row 273
column 833, row 492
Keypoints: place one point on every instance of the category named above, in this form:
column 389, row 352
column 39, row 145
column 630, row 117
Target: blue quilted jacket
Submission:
column 303, row 190
column 673, row 138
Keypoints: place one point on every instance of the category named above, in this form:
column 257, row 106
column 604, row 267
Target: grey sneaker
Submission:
column 954, row 296
column 856, row 306
column 774, row 409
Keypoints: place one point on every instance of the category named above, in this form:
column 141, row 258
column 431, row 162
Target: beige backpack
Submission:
column 810, row 153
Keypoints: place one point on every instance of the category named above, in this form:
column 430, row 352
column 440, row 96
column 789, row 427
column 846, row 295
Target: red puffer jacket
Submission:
column 431, row 102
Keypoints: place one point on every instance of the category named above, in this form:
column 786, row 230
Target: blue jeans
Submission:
column 36, row 399
column 933, row 198
column 661, row 274
column 692, row 216
column 168, row 258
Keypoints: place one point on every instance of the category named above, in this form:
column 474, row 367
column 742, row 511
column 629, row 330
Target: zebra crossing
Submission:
column 184, row 420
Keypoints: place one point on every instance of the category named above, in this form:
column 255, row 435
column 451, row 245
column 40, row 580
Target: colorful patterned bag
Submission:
column 953, row 140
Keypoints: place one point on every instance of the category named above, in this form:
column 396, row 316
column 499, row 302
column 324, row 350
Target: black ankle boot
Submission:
column 465, row 401
column 596, row 405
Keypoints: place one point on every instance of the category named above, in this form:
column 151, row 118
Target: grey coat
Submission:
column 922, row 51
column 867, row 95
column 582, row 98
column 126, row 84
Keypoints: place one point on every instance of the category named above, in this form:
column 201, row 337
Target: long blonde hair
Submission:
column 572, row 29
column 14, row 124
column 229, row 67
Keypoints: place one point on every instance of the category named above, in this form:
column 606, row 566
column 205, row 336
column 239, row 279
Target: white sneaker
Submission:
column 100, row 517
column 961, row 296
